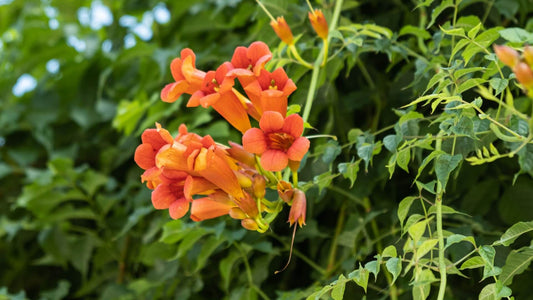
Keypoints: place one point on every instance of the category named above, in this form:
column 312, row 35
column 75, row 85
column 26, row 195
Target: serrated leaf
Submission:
column 514, row 232
column 416, row 31
column 473, row 263
column 403, row 208
column 438, row 10
column 426, row 246
column 394, row 266
column 516, row 263
column 417, row 230
column 390, row 251
column 444, row 165
column 349, row 171
column 489, row 292
column 404, row 156
column 338, row 289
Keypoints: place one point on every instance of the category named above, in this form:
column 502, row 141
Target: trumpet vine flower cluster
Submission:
column 193, row 173
column 522, row 65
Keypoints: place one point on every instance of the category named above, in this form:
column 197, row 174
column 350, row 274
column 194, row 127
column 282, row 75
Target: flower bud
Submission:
column 259, row 186
column 283, row 30
column 507, row 55
column 524, row 75
column 319, row 23
column 294, row 165
column 285, row 191
column 528, row 55
column 298, row 208
column 249, row 224
column 237, row 213
column 244, row 180
column 237, row 152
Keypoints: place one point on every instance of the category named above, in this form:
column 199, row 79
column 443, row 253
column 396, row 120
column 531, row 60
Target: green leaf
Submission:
column 373, row 267
column 338, row 289
column 468, row 84
column 394, row 266
column 514, row 232
column 404, row 156
column 438, row 10
column 416, row 31
column 472, row 32
column 489, row 292
column 323, row 180
column 426, row 246
column 473, row 263
column 457, row 238
column 403, row 208
column 360, row 277
column 427, row 160
column 498, row 84
column 488, row 253
column 422, row 284
column 208, row 248
column 516, row 263
column 390, row 251
column 444, row 165
column 517, row 35
column 417, row 230
column 349, row 171
column 225, row 266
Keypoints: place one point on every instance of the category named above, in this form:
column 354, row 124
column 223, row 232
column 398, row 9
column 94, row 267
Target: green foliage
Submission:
column 429, row 174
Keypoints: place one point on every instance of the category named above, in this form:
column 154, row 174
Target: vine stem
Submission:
column 318, row 62
column 440, row 235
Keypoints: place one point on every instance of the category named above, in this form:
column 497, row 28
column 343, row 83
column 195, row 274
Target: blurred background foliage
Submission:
column 80, row 81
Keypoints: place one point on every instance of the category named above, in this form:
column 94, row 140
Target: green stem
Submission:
column 319, row 60
column 249, row 272
column 438, row 204
column 294, row 52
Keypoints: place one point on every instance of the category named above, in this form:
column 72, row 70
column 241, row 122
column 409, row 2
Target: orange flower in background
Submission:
column 528, row 55
column 319, row 23
column 298, row 208
column 270, row 91
column 282, row 30
column 524, row 75
column 252, row 58
column 216, row 92
column 507, row 55
column 278, row 141
column 188, row 78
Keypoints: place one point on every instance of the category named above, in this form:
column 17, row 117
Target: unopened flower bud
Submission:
column 283, row 30
column 249, row 224
column 244, row 180
column 319, row 23
column 298, row 208
column 285, row 191
column 524, row 75
column 507, row 55
column 528, row 55
column 237, row 213
column 237, row 152
column 259, row 186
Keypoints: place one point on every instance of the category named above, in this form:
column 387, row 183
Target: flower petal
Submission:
column 239, row 58
column 197, row 186
column 294, row 125
column 253, row 141
column 209, row 208
column 274, row 160
column 145, row 156
column 231, row 109
column 163, row 196
column 178, row 208
column 298, row 149
column 271, row 121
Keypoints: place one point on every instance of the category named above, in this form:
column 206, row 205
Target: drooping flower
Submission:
column 270, row 91
column 216, row 91
column 282, row 29
column 277, row 141
column 298, row 208
column 319, row 23
column 187, row 78
column 507, row 55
